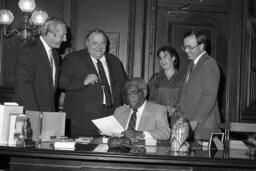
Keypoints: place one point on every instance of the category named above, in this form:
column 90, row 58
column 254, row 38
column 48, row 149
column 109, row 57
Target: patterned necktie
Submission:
column 190, row 68
column 133, row 119
column 104, row 82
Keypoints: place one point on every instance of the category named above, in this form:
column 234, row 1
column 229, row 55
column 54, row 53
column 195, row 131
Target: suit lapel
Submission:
column 110, row 70
column 195, row 70
column 45, row 60
column 197, row 66
column 86, row 58
column 145, row 116
column 125, row 119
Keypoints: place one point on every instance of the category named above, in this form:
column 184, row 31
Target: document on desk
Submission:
column 109, row 126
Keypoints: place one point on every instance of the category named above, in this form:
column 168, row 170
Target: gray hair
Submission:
column 50, row 25
column 136, row 81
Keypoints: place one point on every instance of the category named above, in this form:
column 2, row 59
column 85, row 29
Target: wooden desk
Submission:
column 94, row 157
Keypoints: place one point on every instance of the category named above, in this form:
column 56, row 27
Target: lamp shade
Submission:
column 27, row 5
column 38, row 17
column 6, row 17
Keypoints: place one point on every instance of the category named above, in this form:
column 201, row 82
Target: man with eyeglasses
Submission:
column 93, row 80
column 141, row 118
column 198, row 97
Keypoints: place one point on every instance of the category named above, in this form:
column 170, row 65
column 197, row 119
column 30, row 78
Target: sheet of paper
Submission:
column 109, row 126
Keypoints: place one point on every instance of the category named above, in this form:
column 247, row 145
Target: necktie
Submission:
column 190, row 68
column 133, row 120
column 51, row 60
column 104, row 82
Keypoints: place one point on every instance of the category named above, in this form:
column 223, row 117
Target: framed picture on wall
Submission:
column 112, row 44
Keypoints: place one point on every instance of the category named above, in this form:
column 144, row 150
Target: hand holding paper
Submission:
column 109, row 126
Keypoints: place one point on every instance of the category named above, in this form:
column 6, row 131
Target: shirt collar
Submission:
column 46, row 46
column 141, row 108
column 102, row 59
column 197, row 59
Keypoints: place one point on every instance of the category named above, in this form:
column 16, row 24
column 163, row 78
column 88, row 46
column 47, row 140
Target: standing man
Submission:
column 38, row 68
column 93, row 81
column 198, row 96
column 140, row 118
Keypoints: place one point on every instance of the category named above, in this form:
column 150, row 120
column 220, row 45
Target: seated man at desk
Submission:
column 141, row 118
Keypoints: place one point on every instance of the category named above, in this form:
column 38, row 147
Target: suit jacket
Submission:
column 84, row 103
column 198, row 97
column 153, row 119
column 34, row 83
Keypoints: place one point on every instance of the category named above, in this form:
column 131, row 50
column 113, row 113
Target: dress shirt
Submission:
column 139, row 114
column 197, row 59
column 105, row 66
column 49, row 54
column 195, row 62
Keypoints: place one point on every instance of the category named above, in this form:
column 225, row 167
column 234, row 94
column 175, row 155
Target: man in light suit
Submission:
column 87, row 96
column 151, row 119
column 198, row 97
column 37, row 68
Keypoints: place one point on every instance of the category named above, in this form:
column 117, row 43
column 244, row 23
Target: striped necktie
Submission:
column 133, row 119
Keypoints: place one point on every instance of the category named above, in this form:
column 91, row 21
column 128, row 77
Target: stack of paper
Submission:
column 64, row 145
column 84, row 140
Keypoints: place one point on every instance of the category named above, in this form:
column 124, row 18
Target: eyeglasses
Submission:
column 134, row 92
column 184, row 48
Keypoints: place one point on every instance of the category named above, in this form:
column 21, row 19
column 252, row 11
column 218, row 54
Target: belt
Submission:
column 106, row 106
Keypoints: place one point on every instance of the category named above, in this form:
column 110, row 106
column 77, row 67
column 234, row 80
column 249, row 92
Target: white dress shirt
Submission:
column 139, row 114
column 49, row 54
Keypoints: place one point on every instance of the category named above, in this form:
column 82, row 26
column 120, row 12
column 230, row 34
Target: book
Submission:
column 64, row 144
column 17, row 137
column 16, row 124
column 84, row 140
column 12, row 123
column 237, row 144
column 5, row 111
column 47, row 125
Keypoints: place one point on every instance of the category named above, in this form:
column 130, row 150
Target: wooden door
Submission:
column 171, row 26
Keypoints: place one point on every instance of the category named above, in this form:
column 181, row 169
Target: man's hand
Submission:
column 133, row 134
column 171, row 110
column 90, row 79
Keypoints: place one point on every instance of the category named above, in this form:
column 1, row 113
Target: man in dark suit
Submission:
column 93, row 81
column 38, row 68
column 149, row 119
column 198, row 97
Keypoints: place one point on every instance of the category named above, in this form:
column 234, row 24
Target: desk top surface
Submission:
column 154, row 154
